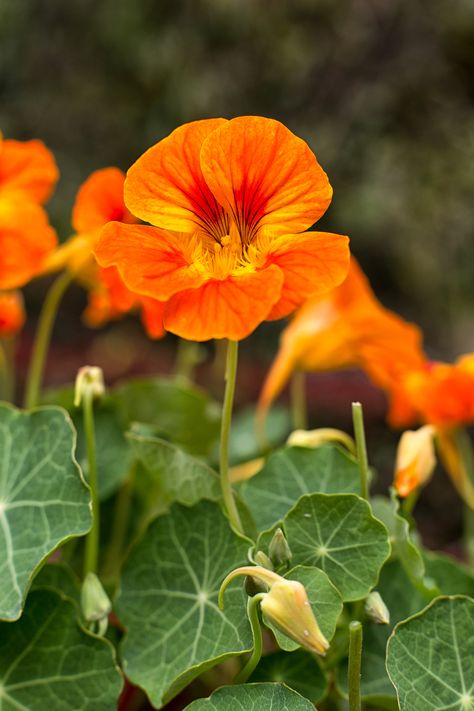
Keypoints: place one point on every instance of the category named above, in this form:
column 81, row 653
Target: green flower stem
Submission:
column 298, row 400
column 7, row 369
column 469, row 535
column 188, row 355
column 227, row 495
column 355, row 656
column 91, row 555
column 43, row 338
column 359, row 434
column 254, row 619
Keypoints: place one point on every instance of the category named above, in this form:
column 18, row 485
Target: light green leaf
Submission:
column 430, row 657
column 113, row 452
column 298, row 670
column 253, row 697
column 338, row 534
column 167, row 600
column 294, row 471
column 402, row 544
column 182, row 413
column 450, row 575
column 47, row 661
column 402, row 600
column 171, row 474
column 43, row 498
column 244, row 444
column 325, row 600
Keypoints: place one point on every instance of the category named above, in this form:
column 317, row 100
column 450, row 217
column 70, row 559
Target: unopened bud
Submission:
column 89, row 382
column 415, row 459
column 316, row 438
column 261, row 558
column 279, row 550
column 286, row 606
column 95, row 603
column 376, row 610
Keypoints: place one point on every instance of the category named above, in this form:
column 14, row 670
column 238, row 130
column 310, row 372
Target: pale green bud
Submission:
column 376, row 610
column 279, row 550
column 95, row 603
column 89, row 382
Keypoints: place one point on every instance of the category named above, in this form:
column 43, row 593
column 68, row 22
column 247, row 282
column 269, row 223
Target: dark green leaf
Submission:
column 253, row 697
column 299, row 670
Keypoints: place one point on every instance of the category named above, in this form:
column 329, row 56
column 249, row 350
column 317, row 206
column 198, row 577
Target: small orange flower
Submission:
column 229, row 202
column 441, row 394
column 99, row 200
column 346, row 328
column 12, row 313
column 27, row 175
column 28, row 169
column 415, row 459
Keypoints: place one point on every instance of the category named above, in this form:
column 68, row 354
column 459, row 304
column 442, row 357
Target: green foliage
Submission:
column 337, row 533
column 167, row 600
column 44, row 500
column 47, row 661
column 430, row 657
column 253, row 697
column 299, row 670
column 293, row 471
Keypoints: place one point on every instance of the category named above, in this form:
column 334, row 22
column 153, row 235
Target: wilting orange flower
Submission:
column 12, row 313
column 441, row 394
column 229, row 202
column 28, row 169
column 99, row 200
column 348, row 327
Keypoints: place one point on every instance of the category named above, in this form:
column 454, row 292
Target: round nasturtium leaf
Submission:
column 293, row 471
column 337, row 533
column 253, row 697
column 44, row 500
column 167, row 600
column 47, row 661
column 299, row 670
column 430, row 657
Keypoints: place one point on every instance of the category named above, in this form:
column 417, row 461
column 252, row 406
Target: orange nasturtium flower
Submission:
column 229, row 203
column 346, row 328
column 99, row 200
column 441, row 395
column 28, row 174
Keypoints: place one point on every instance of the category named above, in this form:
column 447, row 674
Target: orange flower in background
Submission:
column 99, row 200
column 12, row 313
column 27, row 168
column 229, row 202
column 28, row 173
column 346, row 328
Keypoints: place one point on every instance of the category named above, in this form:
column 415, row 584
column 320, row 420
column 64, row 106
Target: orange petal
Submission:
column 265, row 176
column 100, row 200
column 313, row 263
column 166, row 186
column 26, row 239
column 231, row 308
column 27, row 167
column 150, row 261
column 152, row 316
column 12, row 313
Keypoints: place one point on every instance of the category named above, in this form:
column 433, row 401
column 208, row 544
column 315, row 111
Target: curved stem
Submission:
column 298, row 400
column 43, row 338
column 252, row 612
column 361, row 447
column 355, row 656
column 91, row 554
column 227, row 495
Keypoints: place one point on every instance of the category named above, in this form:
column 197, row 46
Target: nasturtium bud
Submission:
column 286, row 605
column 376, row 610
column 95, row 603
column 279, row 550
column 261, row 558
column 89, row 382
column 416, row 459
column 323, row 435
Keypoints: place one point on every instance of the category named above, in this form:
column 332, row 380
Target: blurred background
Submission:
column 383, row 92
